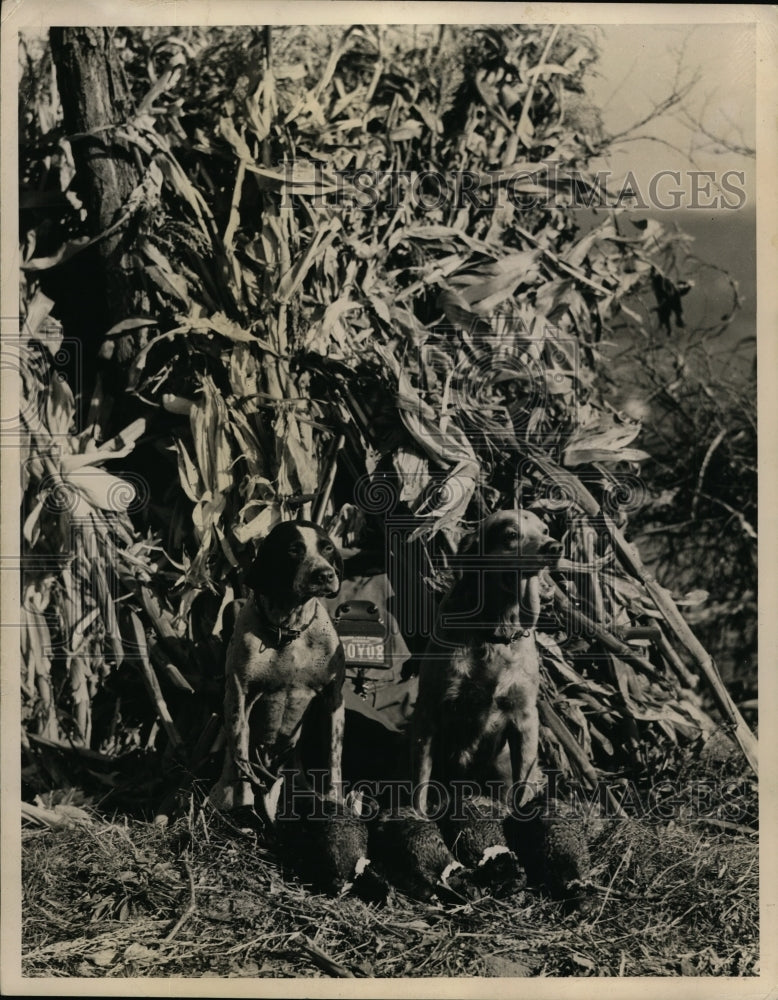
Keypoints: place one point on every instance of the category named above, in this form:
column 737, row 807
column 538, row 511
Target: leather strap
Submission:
column 282, row 636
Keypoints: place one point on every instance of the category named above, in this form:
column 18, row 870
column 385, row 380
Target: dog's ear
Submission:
column 257, row 579
column 468, row 543
column 269, row 573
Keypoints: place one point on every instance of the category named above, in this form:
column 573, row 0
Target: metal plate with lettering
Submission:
column 362, row 633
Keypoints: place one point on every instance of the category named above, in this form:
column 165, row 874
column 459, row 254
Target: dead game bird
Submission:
column 324, row 842
column 553, row 850
column 412, row 852
column 474, row 830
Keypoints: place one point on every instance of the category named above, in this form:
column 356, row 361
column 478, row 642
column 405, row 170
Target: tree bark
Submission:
column 100, row 290
column 94, row 97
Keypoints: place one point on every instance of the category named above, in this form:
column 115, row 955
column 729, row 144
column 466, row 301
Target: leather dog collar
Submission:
column 507, row 640
column 281, row 635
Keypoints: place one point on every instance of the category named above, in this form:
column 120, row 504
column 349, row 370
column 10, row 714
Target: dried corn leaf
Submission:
column 101, row 489
column 259, row 525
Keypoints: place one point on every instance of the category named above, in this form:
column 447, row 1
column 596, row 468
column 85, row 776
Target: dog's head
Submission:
column 295, row 562
column 518, row 536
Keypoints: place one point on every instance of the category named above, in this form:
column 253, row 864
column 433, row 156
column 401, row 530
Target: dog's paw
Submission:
column 229, row 796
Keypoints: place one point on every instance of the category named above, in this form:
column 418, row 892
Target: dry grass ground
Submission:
column 128, row 898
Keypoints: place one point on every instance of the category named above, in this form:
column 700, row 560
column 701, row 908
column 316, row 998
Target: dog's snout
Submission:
column 552, row 547
column 325, row 576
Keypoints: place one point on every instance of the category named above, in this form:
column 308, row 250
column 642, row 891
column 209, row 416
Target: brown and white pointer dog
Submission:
column 476, row 716
column 283, row 654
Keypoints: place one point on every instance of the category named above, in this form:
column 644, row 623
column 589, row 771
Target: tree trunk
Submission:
column 99, row 285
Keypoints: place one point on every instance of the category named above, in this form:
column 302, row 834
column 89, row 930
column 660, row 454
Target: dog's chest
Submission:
column 280, row 681
column 262, row 661
column 498, row 682
column 304, row 662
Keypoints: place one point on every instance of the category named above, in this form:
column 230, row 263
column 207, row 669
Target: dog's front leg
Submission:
column 337, row 727
column 231, row 791
column 422, row 771
column 523, row 739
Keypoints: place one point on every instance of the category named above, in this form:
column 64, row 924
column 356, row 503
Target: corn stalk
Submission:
column 313, row 335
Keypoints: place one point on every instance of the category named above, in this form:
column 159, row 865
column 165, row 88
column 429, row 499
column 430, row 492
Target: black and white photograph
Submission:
column 382, row 595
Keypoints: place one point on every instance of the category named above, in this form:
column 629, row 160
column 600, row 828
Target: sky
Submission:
column 637, row 69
